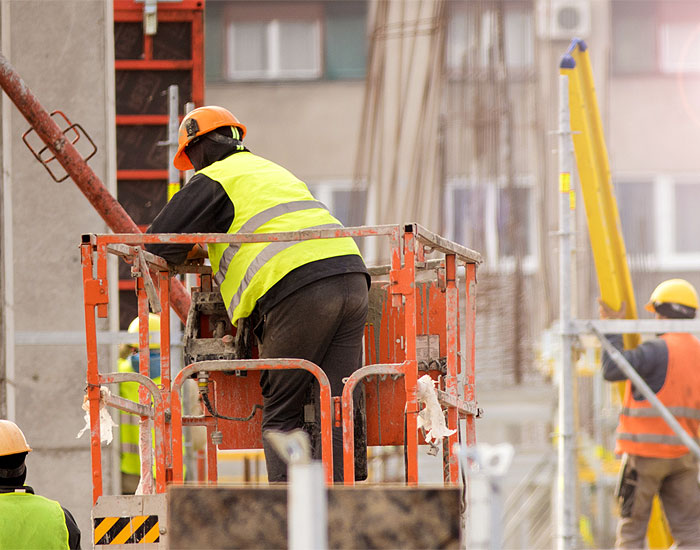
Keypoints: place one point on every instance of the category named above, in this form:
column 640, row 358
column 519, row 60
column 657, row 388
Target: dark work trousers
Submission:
column 322, row 322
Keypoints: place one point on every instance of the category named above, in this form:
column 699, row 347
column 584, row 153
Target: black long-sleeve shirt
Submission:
column 649, row 359
column 201, row 206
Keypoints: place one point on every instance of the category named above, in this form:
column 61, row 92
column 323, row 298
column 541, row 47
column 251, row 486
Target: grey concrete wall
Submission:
column 58, row 48
column 310, row 128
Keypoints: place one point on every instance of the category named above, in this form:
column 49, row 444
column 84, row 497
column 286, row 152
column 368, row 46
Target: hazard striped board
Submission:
column 126, row 530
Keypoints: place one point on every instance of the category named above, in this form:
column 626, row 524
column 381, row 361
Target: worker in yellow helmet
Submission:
column 655, row 460
column 305, row 300
column 28, row 520
column 129, row 423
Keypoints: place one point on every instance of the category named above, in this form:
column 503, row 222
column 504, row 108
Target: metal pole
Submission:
column 307, row 507
column 566, row 445
column 646, row 391
column 307, row 501
column 80, row 172
column 174, row 187
column 173, row 126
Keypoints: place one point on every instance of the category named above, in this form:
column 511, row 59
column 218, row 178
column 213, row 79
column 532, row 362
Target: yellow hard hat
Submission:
column 153, row 326
column 673, row 291
column 12, row 440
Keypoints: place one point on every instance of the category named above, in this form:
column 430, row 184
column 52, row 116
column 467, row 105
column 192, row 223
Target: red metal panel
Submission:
column 152, row 64
column 186, row 11
column 142, row 174
column 133, row 9
column 236, row 396
column 137, row 120
column 386, row 399
column 198, row 61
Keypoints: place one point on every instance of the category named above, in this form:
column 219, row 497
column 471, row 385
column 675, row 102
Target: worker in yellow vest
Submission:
column 129, row 423
column 302, row 299
column 28, row 521
column 655, row 461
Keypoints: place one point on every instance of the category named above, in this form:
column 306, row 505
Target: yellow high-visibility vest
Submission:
column 29, row 521
column 267, row 199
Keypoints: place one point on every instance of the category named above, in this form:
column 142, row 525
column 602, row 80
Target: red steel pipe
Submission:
column 78, row 169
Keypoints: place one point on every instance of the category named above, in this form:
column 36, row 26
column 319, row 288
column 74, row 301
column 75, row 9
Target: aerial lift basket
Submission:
column 420, row 321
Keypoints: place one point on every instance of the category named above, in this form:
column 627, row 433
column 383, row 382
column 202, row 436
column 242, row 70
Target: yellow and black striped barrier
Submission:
column 126, row 530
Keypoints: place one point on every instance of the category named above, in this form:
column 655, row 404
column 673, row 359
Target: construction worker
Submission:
column 28, row 520
column 305, row 300
column 655, row 461
column 129, row 423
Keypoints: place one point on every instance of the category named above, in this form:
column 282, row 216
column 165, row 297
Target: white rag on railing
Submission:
column 431, row 418
column 106, row 422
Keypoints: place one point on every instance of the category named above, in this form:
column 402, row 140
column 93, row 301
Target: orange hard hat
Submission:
column 12, row 440
column 199, row 122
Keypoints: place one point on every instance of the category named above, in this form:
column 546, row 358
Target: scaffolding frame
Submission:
column 580, row 128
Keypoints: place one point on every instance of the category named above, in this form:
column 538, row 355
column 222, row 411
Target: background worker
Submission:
column 28, row 520
column 305, row 300
column 655, row 461
column 129, row 423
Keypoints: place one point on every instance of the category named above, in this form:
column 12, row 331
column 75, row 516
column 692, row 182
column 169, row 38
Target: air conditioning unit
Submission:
column 564, row 19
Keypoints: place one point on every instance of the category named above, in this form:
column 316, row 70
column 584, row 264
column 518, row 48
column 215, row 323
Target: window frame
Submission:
column 323, row 190
column 270, row 14
column 493, row 261
column 664, row 256
column 468, row 11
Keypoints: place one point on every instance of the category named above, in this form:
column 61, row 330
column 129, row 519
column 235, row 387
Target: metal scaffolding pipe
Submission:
column 566, row 445
column 646, row 391
column 78, row 169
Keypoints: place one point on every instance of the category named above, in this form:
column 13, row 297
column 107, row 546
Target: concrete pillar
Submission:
column 63, row 51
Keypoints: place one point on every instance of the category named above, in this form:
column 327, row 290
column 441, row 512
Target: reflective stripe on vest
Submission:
column 129, row 424
column 269, row 252
column 652, row 438
column 642, row 430
column 29, row 521
column 257, row 221
column 678, row 412
column 266, row 199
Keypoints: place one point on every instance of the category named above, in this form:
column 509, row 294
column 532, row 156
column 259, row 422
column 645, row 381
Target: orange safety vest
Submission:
column 641, row 430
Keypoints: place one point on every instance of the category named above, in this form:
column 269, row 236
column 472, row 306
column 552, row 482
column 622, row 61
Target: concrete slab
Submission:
column 358, row 517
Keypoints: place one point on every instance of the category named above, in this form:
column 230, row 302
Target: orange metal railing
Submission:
column 416, row 309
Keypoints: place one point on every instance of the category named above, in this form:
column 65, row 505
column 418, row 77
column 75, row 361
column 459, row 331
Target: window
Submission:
column 633, row 199
column 687, row 222
column 249, row 41
column 494, row 220
column 660, row 222
column 655, row 36
column 283, row 45
column 346, row 42
column 345, row 200
column 472, row 37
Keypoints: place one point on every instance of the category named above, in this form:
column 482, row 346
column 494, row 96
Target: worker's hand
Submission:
column 606, row 312
column 198, row 252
